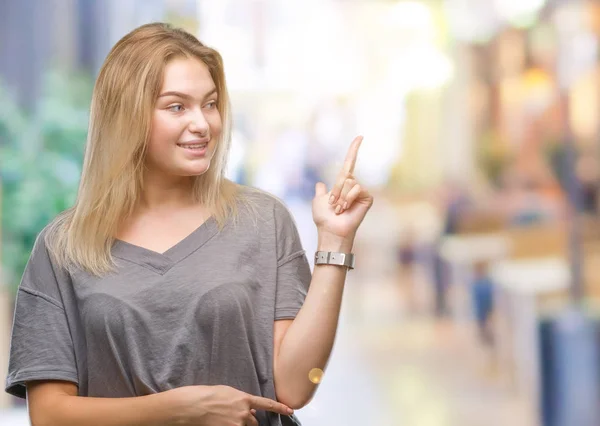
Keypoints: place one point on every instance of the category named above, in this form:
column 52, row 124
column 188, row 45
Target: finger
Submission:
column 336, row 191
column 341, row 203
column 320, row 189
column 347, row 169
column 251, row 420
column 261, row 403
column 351, row 156
column 353, row 195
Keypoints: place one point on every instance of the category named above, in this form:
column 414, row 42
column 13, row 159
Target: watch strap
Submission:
column 334, row 258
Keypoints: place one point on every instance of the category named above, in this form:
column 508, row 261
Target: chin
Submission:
column 197, row 171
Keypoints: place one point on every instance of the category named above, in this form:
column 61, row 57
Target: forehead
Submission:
column 187, row 75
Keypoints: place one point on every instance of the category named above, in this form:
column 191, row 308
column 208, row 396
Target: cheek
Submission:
column 163, row 132
column 215, row 124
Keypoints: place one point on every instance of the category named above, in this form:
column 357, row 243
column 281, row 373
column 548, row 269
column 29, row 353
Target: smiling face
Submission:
column 186, row 124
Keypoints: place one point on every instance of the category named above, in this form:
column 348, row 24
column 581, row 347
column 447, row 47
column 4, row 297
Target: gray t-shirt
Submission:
column 201, row 313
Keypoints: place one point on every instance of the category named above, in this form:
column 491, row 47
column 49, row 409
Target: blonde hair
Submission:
column 125, row 92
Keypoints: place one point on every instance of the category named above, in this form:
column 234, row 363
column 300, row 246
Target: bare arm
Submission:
column 53, row 403
column 306, row 343
column 56, row 403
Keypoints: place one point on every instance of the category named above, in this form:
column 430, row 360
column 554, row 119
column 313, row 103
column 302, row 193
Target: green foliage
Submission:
column 41, row 154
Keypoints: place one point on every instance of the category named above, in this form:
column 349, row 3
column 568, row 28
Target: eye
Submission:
column 211, row 105
column 175, row 108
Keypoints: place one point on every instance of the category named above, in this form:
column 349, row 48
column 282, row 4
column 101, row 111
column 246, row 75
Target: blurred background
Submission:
column 475, row 295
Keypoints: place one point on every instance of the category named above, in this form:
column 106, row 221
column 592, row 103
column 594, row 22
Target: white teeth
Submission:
column 194, row 146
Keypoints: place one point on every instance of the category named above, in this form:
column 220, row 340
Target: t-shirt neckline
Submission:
column 162, row 262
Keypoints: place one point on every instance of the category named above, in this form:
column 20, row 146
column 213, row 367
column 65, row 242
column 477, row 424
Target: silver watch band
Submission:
column 334, row 258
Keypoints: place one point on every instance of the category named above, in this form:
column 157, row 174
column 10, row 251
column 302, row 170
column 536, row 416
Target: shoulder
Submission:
column 276, row 214
column 49, row 243
column 41, row 274
column 42, row 240
column 264, row 201
column 269, row 209
column 54, row 233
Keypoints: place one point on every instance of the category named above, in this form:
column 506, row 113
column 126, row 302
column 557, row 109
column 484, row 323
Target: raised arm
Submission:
column 304, row 344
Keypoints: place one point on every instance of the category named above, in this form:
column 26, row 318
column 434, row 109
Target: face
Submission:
column 186, row 123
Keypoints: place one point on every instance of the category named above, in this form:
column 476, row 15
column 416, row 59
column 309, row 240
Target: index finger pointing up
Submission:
column 350, row 161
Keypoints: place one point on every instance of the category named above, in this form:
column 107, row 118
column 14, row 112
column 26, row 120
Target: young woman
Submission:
column 168, row 295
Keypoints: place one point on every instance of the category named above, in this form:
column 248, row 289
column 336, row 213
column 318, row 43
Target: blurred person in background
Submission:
column 482, row 295
column 454, row 202
column 168, row 294
column 407, row 262
column 588, row 174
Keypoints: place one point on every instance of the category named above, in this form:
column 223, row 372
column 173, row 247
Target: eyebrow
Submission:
column 184, row 95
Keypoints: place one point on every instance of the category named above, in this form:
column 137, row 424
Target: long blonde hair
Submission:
column 120, row 118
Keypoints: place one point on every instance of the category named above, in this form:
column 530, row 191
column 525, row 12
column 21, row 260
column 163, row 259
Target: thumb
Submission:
column 320, row 189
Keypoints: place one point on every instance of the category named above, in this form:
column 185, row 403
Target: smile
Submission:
column 197, row 146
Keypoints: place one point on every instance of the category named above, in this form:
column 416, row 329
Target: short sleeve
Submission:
column 293, row 270
column 41, row 347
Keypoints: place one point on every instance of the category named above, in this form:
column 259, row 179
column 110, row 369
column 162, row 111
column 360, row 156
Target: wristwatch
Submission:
column 334, row 258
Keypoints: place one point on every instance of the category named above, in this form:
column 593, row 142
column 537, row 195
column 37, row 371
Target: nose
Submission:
column 198, row 123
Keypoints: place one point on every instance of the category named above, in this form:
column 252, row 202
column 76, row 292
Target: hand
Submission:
column 221, row 406
column 339, row 213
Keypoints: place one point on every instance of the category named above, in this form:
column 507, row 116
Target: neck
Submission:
column 164, row 193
